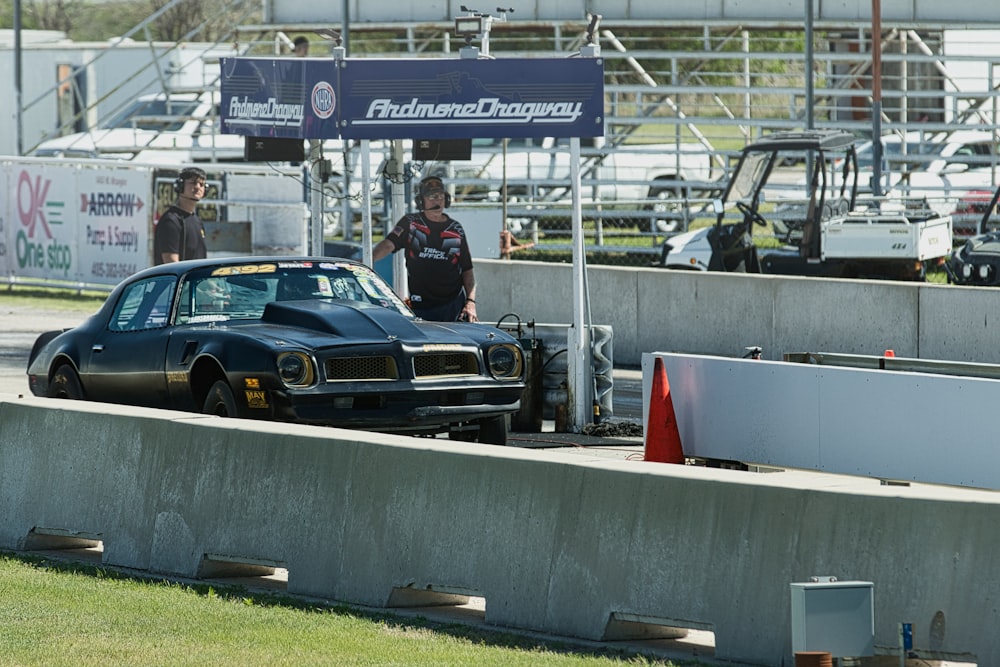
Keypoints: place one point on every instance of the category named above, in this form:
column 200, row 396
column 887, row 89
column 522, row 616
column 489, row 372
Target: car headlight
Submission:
column 296, row 369
column 505, row 361
column 984, row 271
column 967, row 271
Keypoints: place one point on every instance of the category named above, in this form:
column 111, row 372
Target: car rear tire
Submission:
column 65, row 383
column 493, row 431
column 463, row 436
column 220, row 401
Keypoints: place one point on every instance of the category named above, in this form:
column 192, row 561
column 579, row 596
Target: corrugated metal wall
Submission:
column 955, row 13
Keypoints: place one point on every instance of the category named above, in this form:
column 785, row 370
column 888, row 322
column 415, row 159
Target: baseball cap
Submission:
column 430, row 185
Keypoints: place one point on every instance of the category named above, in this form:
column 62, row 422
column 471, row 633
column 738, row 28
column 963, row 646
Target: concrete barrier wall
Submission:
column 556, row 543
column 722, row 314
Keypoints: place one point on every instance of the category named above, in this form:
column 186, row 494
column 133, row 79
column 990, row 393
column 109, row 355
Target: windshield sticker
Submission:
column 246, row 269
column 323, row 286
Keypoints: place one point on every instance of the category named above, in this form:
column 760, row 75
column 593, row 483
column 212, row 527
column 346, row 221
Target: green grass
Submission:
column 52, row 299
column 57, row 613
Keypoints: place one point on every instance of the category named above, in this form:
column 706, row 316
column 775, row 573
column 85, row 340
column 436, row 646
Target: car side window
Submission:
column 144, row 305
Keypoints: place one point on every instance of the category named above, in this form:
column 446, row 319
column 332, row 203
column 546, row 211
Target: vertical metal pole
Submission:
column 345, row 28
column 398, row 209
column 315, row 228
column 366, row 202
column 747, row 98
column 877, row 98
column 810, row 63
column 17, row 76
column 580, row 364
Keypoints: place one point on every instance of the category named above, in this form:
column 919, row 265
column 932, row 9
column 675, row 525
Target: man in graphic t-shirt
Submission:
column 438, row 263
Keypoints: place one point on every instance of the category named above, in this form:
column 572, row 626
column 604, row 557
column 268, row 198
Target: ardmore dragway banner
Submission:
column 406, row 98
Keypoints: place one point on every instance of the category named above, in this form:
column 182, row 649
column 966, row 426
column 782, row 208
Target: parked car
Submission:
column 977, row 261
column 179, row 128
column 316, row 340
column 969, row 212
column 645, row 184
column 947, row 165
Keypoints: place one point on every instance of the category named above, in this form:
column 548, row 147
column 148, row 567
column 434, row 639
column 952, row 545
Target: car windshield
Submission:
column 241, row 292
column 160, row 115
column 751, row 171
column 918, row 151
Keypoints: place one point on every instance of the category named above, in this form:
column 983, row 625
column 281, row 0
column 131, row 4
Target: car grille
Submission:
column 361, row 368
column 451, row 363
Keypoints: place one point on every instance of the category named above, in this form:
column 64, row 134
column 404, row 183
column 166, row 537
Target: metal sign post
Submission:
column 397, row 210
column 581, row 362
column 366, row 202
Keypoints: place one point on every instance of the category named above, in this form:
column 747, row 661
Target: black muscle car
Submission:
column 307, row 340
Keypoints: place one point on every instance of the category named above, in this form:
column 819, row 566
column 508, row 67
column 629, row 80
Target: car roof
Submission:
column 180, row 268
column 804, row 140
column 935, row 136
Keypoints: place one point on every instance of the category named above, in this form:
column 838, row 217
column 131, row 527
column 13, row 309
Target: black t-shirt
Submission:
column 437, row 253
column 175, row 224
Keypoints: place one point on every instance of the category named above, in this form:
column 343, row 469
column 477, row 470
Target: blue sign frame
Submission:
column 466, row 98
column 314, row 98
column 293, row 98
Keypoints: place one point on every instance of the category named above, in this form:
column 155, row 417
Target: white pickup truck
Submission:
column 537, row 171
column 822, row 231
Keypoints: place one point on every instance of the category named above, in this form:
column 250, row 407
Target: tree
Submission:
column 179, row 19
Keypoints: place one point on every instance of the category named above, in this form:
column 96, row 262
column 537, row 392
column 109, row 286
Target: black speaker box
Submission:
column 442, row 149
column 273, row 149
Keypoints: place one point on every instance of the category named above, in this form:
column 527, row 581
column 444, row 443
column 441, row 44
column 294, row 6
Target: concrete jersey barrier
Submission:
column 568, row 544
column 722, row 314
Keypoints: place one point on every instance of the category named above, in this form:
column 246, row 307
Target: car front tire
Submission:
column 220, row 401
column 493, row 431
column 65, row 383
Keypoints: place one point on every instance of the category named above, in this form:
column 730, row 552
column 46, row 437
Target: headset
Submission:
column 186, row 174
column 427, row 184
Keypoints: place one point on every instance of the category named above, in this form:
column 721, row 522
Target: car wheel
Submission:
column 493, row 431
column 462, row 436
column 667, row 210
column 65, row 383
column 220, row 401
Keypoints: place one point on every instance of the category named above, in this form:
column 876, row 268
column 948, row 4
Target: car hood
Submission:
column 313, row 323
column 679, row 242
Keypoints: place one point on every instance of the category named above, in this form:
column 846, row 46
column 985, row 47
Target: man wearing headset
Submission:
column 438, row 263
column 180, row 234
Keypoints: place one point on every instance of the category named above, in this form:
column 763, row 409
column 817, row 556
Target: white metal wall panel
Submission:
column 882, row 424
column 970, row 12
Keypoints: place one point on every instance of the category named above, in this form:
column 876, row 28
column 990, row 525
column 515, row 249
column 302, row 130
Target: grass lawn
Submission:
column 57, row 613
column 52, row 299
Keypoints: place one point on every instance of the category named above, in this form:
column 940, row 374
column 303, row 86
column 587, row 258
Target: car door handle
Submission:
column 97, row 348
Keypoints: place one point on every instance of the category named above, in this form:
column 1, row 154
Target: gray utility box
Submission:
column 834, row 616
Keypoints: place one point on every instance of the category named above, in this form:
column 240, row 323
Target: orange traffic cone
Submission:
column 663, row 440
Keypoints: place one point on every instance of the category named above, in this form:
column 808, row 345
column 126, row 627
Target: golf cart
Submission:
column 804, row 185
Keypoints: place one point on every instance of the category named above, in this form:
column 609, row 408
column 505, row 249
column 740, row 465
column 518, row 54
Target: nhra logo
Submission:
column 324, row 101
